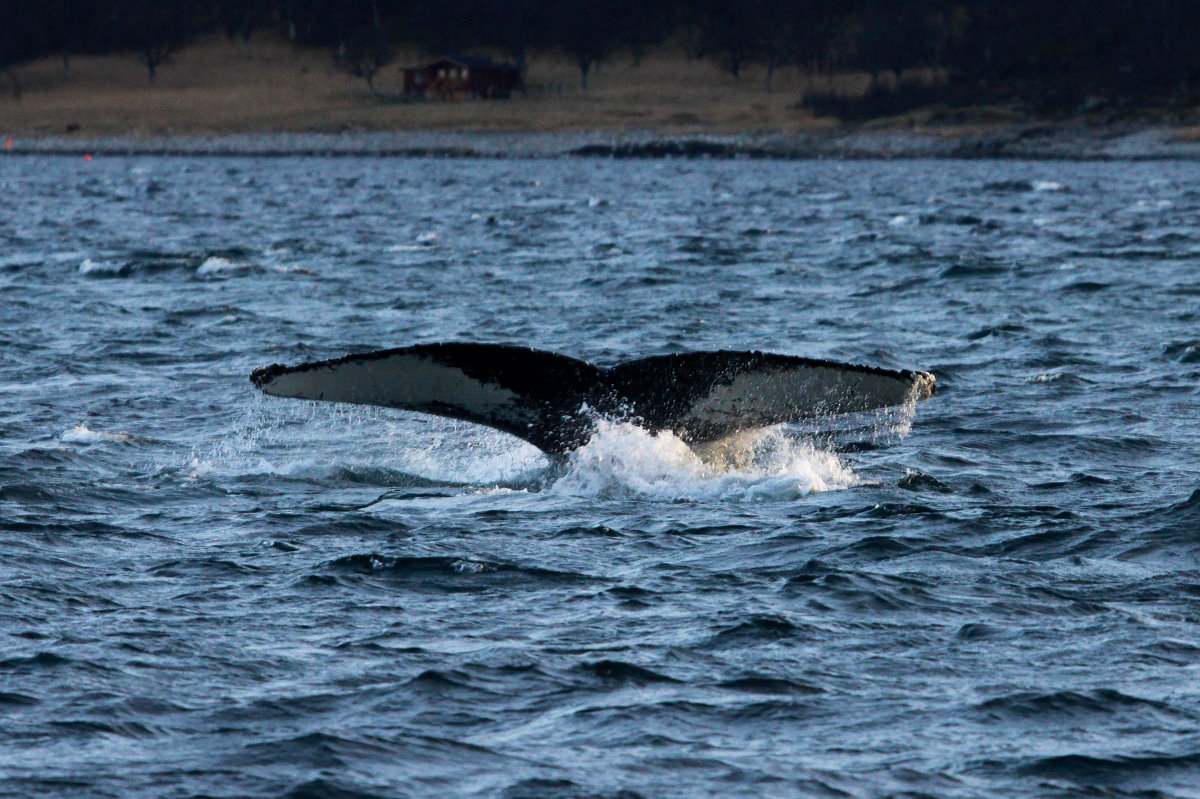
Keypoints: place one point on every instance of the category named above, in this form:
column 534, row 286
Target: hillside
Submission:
column 217, row 86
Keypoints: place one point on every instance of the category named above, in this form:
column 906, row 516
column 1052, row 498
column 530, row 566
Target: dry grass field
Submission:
column 216, row 86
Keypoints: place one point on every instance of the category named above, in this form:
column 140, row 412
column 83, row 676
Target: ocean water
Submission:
column 208, row 592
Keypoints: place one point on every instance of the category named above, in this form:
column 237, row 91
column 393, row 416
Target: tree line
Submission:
column 1051, row 54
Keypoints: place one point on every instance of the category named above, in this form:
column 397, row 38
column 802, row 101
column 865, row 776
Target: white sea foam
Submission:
column 293, row 270
column 1048, row 185
column 215, row 265
column 623, row 460
column 1149, row 206
column 94, row 268
column 82, row 434
column 423, row 241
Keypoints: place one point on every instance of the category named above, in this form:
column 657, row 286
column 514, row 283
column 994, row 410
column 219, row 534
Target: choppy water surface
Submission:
column 205, row 592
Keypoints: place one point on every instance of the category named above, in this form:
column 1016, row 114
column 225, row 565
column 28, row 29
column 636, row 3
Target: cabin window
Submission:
column 441, row 73
column 465, row 73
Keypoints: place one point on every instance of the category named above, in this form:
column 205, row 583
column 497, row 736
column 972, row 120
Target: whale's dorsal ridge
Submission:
column 552, row 400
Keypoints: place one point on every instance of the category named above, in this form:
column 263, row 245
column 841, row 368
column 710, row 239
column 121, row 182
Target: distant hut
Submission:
column 459, row 77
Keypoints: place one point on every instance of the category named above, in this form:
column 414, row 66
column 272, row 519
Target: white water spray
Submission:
column 622, row 460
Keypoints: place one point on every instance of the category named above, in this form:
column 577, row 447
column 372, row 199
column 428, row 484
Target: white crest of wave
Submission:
column 103, row 268
column 216, row 265
column 82, row 434
column 623, row 460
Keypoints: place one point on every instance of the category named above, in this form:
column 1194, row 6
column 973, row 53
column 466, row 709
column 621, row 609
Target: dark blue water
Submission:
column 205, row 592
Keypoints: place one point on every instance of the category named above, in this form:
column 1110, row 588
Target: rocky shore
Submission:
column 1066, row 141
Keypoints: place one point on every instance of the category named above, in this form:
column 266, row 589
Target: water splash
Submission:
column 373, row 446
column 882, row 427
column 623, row 460
column 362, row 444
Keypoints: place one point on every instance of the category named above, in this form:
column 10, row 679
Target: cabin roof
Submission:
column 470, row 61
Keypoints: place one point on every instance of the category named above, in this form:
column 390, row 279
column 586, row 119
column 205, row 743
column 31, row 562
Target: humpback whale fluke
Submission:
column 552, row 401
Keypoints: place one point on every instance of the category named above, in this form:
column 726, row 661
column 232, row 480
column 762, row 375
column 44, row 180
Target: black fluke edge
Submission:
column 264, row 374
column 554, row 401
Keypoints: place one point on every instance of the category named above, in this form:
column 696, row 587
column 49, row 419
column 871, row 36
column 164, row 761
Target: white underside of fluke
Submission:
column 396, row 381
column 775, row 395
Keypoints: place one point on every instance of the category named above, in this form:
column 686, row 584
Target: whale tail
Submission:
column 552, row 401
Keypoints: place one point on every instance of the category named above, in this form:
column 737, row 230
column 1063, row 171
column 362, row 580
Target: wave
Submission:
column 14, row 699
column 753, row 631
column 322, row 788
column 137, row 262
column 759, row 684
column 43, row 661
column 1091, row 769
column 207, row 568
column 859, row 592
column 104, row 268
column 90, row 727
column 1065, row 704
column 620, row 671
column 1187, row 351
column 443, row 573
column 82, row 434
column 326, row 750
column 230, row 262
column 1023, row 185
column 980, row 268
column 217, row 266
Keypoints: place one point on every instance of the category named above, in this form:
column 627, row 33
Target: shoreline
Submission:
column 271, row 98
column 1069, row 141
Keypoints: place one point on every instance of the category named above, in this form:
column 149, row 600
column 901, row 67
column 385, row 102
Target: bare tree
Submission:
column 588, row 32
column 729, row 33
column 156, row 29
column 514, row 26
column 895, row 37
column 19, row 42
column 366, row 52
column 241, row 18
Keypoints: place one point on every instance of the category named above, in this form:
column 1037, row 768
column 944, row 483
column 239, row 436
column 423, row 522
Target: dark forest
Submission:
column 1050, row 56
